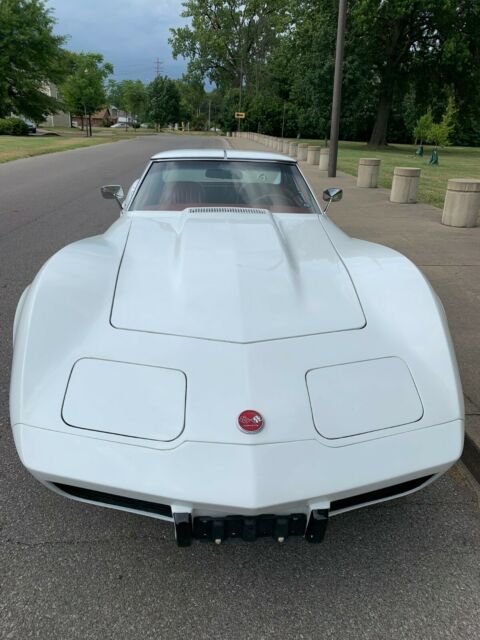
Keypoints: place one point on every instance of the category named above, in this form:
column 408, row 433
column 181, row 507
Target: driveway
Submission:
column 405, row 569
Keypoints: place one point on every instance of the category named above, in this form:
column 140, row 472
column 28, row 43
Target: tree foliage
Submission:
column 84, row 92
column 192, row 96
column 440, row 133
column 229, row 41
column 30, row 56
column 276, row 59
column 421, row 130
column 437, row 133
column 163, row 101
column 129, row 96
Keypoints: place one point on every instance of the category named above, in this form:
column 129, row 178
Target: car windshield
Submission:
column 174, row 185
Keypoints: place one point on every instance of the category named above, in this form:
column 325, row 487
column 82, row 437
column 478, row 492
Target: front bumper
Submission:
column 211, row 479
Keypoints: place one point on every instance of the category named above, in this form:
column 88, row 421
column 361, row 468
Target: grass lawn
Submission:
column 15, row 147
column 454, row 162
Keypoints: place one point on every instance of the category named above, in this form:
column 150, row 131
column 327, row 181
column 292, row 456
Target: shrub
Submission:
column 421, row 130
column 437, row 133
column 5, row 127
column 13, row 127
column 19, row 127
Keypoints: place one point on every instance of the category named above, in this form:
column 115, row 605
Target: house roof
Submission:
column 103, row 113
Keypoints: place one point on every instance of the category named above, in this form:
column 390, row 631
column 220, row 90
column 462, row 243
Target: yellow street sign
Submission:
column 239, row 115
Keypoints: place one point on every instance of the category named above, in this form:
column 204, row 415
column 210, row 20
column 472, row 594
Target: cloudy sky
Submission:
column 130, row 34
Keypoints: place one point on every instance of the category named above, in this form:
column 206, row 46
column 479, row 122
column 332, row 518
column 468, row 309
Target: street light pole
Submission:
column 337, row 89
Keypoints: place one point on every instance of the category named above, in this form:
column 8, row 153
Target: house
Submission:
column 121, row 116
column 102, row 118
column 59, row 119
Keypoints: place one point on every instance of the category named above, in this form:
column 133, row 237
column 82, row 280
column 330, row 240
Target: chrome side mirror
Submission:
column 332, row 195
column 113, row 192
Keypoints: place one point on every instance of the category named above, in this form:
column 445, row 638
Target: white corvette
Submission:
column 225, row 358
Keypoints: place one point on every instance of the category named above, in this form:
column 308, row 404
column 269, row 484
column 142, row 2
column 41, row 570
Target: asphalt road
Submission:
column 406, row 569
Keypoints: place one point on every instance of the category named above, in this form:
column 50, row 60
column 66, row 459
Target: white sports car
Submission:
column 225, row 358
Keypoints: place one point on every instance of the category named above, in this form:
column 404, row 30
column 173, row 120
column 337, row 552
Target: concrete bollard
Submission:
column 286, row 146
column 368, row 170
column 405, row 185
column 323, row 161
column 292, row 149
column 302, row 151
column 462, row 203
column 313, row 155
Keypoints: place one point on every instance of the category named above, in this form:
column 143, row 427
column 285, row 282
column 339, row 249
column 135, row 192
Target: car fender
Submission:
column 70, row 295
column 397, row 298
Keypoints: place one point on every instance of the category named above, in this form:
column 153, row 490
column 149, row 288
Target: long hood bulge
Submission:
column 237, row 278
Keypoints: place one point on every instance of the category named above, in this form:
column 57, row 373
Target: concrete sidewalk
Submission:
column 448, row 256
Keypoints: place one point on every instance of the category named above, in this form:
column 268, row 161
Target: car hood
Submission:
column 236, row 278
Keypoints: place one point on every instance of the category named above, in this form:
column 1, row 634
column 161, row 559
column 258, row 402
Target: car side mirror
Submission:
column 333, row 194
column 113, row 192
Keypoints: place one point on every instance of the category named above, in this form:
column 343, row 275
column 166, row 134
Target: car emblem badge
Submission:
column 250, row 421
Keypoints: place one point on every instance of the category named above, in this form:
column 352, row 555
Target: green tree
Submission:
column 440, row 133
column 84, row 90
column 129, row 96
column 163, row 101
column 192, row 96
column 134, row 98
column 427, row 45
column 115, row 94
column 401, row 57
column 421, row 130
column 228, row 42
column 300, row 71
column 30, row 56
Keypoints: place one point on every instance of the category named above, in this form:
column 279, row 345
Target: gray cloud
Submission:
column 130, row 34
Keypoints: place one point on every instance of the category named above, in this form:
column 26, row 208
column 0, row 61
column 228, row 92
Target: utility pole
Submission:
column 209, row 113
column 158, row 64
column 337, row 89
column 283, row 119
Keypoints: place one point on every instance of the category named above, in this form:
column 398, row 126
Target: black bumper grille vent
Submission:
column 379, row 494
column 114, row 500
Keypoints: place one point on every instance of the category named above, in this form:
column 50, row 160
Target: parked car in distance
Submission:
column 225, row 358
column 119, row 125
column 32, row 127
